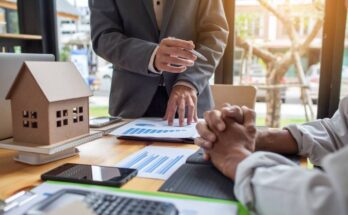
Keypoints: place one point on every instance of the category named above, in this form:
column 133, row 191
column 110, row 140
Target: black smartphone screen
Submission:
column 90, row 174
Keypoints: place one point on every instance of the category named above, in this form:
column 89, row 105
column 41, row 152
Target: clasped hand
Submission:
column 227, row 137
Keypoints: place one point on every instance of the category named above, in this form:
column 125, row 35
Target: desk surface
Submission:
column 15, row 176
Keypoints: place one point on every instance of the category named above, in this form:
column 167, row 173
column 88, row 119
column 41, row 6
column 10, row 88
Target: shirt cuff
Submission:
column 151, row 66
column 243, row 188
column 186, row 84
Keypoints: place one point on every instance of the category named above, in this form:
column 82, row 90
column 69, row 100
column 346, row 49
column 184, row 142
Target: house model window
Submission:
column 33, row 114
column 78, row 114
column 25, row 114
column 62, row 118
column 29, row 119
column 26, row 124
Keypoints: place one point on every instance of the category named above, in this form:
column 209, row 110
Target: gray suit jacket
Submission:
column 125, row 33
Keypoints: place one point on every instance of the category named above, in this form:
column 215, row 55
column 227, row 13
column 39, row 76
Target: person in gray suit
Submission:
column 149, row 42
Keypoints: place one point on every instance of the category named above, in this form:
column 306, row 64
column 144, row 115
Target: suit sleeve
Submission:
column 212, row 30
column 270, row 184
column 110, row 43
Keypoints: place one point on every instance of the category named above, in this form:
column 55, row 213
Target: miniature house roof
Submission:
column 57, row 80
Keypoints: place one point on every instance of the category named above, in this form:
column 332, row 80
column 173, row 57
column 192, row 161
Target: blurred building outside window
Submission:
column 279, row 57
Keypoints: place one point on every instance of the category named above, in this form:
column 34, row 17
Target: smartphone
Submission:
column 103, row 121
column 91, row 174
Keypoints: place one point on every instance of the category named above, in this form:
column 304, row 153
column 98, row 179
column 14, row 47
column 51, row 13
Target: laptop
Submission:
column 9, row 68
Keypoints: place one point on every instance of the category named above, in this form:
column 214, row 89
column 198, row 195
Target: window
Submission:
column 33, row 114
column 72, row 45
column 26, row 114
column 263, row 30
column 29, row 119
column 62, row 116
column 34, row 125
column 78, row 114
column 26, row 124
column 9, row 21
column 2, row 21
column 344, row 74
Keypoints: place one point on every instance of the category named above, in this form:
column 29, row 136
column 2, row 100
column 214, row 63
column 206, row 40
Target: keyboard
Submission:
column 106, row 204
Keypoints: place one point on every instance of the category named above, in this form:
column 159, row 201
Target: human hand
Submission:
column 180, row 98
column 216, row 121
column 234, row 144
column 173, row 55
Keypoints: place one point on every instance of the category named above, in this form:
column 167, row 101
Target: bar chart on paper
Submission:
column 156, row 162
column 155, row 128
column 151, row 131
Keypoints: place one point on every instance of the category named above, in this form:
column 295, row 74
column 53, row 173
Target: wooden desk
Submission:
column 15, row 176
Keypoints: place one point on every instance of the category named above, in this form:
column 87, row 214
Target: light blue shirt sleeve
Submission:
column 321, row 137
column 269, row 183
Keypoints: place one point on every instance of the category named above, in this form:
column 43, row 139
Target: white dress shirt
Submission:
column 268, row 183
column 158, row 9
column 158, row 6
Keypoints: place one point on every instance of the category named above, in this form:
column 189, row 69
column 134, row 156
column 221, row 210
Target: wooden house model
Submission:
column 49, row 102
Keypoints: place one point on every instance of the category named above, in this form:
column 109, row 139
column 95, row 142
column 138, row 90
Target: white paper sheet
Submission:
column 156, row 128
column 185, row 206
column 156, row 162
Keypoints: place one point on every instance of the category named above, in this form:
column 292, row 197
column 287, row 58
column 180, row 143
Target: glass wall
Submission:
column 278, row 45
column 8, row 21
column 12, row 21
column 2, row 21
column 75, row 46
column 344, row 75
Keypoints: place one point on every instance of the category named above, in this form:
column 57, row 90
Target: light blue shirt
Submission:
column 269, row 183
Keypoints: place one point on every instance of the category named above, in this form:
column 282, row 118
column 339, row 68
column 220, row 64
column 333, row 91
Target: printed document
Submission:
column 156, row 128
column 156, row 162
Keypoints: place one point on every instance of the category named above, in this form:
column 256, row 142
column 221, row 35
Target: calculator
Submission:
column 104, row 204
